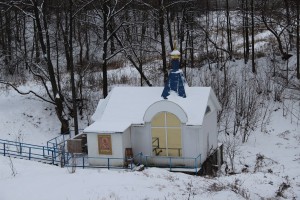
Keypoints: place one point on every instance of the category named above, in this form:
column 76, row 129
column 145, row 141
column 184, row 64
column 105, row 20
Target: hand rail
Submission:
column 60, row 138
column 23, row 144
column 29, row 151
column 38, row 152
column 136, row 160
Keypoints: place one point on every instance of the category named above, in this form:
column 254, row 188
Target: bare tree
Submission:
column 107, row 11
column 298, row 38
column 277, row 23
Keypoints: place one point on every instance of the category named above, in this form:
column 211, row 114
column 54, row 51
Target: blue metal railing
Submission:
column 192, row 164
column 53, row 155
column 82, row 161
column 29, row 151
column 54, row 142
column 60, row 139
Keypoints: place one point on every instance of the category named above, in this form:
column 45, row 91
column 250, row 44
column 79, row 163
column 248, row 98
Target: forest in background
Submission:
column 247, row 50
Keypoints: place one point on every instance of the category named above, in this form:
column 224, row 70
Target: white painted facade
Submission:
column 198, row 130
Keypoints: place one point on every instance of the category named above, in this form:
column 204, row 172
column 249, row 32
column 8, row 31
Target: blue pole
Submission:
column 83, row 162
column 170, row 163
column 200, row 162
column 52, row 158
column 43, row 151
column 54, row 150
column 108, row 163
column 195, row 166
column 141, row 154
column 4, row 149
column 29, row 153
column 20, row 147
column 146, row 161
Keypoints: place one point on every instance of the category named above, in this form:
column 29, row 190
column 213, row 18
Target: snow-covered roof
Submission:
column 125, row 106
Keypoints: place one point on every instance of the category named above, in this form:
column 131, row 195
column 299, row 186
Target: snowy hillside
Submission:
column 267, row 165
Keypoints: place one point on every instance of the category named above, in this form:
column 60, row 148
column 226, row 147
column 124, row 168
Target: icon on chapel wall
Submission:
column 104, row 144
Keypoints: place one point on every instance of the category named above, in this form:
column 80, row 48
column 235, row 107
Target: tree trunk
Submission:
column 252, row 39
column 46, row 56
column 162, row 39
column 25, row 42
column 228, row 24
column 298, row 39
column 104, row 55
column 8, row 43
column 169, row 25
column 247, row 45
column 36, row 42
column 289, row 24
column 74, row 99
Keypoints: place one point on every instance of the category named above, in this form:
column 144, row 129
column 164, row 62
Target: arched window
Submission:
column 166, row 135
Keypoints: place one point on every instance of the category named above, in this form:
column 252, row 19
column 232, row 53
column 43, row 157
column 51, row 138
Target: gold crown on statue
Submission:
column 175, row 54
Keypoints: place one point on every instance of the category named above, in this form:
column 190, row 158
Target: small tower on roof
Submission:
column 176, row 80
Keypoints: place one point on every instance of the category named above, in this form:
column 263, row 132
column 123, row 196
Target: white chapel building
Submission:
column 172, row 125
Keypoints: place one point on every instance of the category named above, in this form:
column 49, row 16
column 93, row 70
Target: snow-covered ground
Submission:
column 26, row 118
column 271, row 161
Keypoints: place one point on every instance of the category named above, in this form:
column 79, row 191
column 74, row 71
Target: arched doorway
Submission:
column 166, row 135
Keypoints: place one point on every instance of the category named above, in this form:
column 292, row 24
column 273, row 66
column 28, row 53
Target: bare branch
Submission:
column 26, row 93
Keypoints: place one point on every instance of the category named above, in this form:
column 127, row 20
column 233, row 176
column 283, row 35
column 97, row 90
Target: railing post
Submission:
column 170, row 163
column 108, row 163
column 54, row 150
column 52, row 157
column 43, row 151
column 196, row 166
column 141, row 154
column 20, row 148
column 200, row 162
column 4, row 149
column 146, row 161
column 82, row 162
column 29, row 153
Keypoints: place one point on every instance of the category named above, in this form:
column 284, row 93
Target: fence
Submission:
column 54, row 142
column 187, row 164
column 54, row 155
column 83, row 161
column 29, row 151
column 61, row 139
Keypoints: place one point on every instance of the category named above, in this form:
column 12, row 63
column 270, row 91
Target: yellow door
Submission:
column 166, row 135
